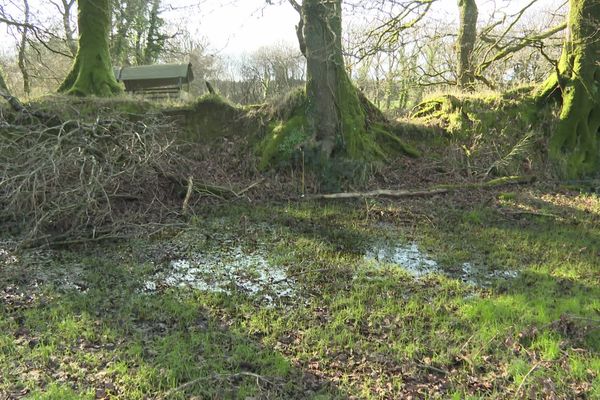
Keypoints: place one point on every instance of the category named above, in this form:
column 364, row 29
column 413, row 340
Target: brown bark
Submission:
column 467, row 35
column 23, row 49
column 335, row 115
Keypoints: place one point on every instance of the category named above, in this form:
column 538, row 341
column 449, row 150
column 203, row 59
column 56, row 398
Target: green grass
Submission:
column 354, row 327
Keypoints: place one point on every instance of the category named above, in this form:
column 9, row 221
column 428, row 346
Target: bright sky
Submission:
column 238, row 26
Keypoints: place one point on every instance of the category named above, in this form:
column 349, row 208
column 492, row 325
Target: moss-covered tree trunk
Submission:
column 467, row 35
column 92, row 73
column 335, row 115
column 575, row 142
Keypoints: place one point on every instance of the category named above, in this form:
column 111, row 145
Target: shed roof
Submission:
column 158, row 71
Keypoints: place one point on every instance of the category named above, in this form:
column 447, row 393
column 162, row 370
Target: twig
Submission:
column 432, row 368
column 188, row 195
column 596, row 321
column 524, row 379
column 241, row 192
column 534, row 213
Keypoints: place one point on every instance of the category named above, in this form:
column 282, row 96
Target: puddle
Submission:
column 417, row 263
column 228, row 271
column 409, row 257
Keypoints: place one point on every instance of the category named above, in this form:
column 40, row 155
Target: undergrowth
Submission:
column 492, row 133
column 66, row 176
column 81, row 324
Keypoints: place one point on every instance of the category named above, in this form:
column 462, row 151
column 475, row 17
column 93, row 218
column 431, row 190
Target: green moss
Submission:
column 89, row 107
column 389, row 139
column 500, row 133
column 509, row 196
column 575, row 143
column 283, row 142
column 288, row 105
column 214, row 100
column 470, row 115
column 359, row 142
column 288, row 140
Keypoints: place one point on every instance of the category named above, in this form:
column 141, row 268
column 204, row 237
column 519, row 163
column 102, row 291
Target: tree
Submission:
column 3, row 86
column 138, row 36
column 23, row 48
column 333, row 125
column 334, row 113
column 467, row 35
column 92, row 72
column 155, row 40
column 65, row 8
column 576, row 82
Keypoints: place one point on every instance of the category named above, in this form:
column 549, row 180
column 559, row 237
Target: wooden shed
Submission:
column 160, row 79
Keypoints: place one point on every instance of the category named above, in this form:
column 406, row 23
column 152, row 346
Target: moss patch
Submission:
column 491, row 133
column 367, row 137
column 69, row 107
column 466, row 115
column 282, row 145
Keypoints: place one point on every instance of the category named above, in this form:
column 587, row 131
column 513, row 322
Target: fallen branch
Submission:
column 533, row 213
column 202, row 188
column 241, row 192
column 380, row 193
column 443, row 189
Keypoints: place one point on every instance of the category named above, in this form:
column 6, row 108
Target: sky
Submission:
column 233, row 27
column 238, row 26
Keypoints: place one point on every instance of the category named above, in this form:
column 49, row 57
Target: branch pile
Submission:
column 84, row 179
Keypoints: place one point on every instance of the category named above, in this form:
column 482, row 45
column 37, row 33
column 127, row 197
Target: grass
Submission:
column 353, row 328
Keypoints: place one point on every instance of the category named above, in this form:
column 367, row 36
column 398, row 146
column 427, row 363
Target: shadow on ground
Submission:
column 104, row 337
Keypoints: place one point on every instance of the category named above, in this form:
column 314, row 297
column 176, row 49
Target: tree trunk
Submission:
column 23, row 49
column 575, row 142
column 92, row 72
column 3, row 86
column 467, row 35
column 335, row 115
column 66, row 16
